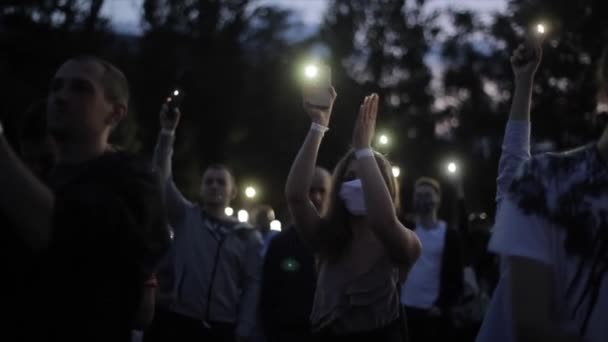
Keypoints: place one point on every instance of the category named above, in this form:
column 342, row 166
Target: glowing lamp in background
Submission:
column 383, row 140
column 275, row 225
column 452, row 168
column 250, row 192
column 243, row 216
column 176, row 92
column 229, row 211
column 396, row 171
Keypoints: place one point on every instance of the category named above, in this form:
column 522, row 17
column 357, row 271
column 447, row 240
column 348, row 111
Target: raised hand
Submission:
column 365, row 125
column 320, row 115
column 169, row 121
column 526, row 59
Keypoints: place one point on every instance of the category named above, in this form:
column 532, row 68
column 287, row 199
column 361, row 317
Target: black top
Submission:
column 109, row 232
column 17, row 274
column 288, row 285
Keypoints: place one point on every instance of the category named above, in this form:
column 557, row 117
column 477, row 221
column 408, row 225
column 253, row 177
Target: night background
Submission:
column 441, row 68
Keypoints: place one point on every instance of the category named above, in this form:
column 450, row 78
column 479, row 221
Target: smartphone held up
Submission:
column 317, row 84
column 174, row 101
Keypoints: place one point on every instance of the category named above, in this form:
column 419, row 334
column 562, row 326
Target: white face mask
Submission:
column 352, row 195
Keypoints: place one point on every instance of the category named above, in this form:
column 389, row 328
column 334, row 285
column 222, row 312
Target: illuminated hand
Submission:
column 366, row 122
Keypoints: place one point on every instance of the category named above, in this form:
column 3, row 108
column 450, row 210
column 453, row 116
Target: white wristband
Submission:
column 364, row 153
column 166, row 131
column 318, row 128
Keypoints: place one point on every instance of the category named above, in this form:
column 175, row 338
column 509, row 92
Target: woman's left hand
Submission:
column 365, row 126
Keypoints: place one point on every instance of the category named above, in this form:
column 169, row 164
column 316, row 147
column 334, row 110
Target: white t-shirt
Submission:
column 556, row 198
column 421, row 288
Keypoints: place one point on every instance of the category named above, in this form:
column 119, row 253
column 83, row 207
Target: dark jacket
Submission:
column 288, row 286
column 109, row 232
column 451, row 283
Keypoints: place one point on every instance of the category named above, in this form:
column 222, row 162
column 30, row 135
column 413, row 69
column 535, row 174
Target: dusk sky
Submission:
column 125, row 14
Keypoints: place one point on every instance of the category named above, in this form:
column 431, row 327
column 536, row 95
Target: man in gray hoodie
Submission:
column 214, row 266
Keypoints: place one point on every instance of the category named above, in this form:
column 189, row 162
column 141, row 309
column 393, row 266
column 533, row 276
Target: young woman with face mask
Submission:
column 363, row 251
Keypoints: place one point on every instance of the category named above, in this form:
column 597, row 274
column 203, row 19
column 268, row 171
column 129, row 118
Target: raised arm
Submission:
column 305, row 215
column 26, row 201
column 516, row 143
column 401, row 243
column 163, row 152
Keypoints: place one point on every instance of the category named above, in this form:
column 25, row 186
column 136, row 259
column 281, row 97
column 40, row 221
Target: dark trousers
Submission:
column 424, row 327
column 171, row 327
column 290, row 336
column 391, row 333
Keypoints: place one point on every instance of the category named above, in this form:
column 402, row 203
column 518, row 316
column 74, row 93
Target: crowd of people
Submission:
column 101, row 245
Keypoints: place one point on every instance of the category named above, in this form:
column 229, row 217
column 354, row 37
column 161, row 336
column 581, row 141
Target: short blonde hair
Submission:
column 432, row 182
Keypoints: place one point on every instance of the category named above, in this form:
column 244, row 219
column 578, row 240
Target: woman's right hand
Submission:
column 319, row 115
column 526, row 59
column 169, row 121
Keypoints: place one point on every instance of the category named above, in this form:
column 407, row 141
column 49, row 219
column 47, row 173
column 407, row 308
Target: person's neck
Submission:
column 602, row 146
column 217, row 212
column 75, row 153
column 428, row 221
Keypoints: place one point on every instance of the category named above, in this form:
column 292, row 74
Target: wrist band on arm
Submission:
column 364, row 152
column 166, row 131
column 318, row 128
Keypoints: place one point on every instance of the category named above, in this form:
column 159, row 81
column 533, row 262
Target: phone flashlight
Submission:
column 317, row 85
column 540, row 29
column 311, row 71
column 174, row 101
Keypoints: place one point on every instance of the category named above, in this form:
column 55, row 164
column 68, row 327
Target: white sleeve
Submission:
column 519, row 234
column 515, row 151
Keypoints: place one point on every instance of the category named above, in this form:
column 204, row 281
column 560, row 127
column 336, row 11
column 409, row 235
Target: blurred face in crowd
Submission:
column 319, row 190
column 217, row 188
column 78, row 109
column 263, row 217
column 426, row 199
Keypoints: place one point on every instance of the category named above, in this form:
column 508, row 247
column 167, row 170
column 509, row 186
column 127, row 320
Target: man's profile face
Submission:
column 217, row 188
column 77, row 108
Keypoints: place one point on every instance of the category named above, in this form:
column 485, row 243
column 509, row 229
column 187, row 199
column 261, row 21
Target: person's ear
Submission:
column 234, row 193
column 117, row 114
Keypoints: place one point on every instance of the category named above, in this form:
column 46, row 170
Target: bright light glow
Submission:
column 250, row 192
column 396, row 171
column 383, row 140
column 175, row 92
column 275, row 225
column 540, row 28
column 229, row 211
column 311, row 71
column 452, row 167
column 243, row 216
